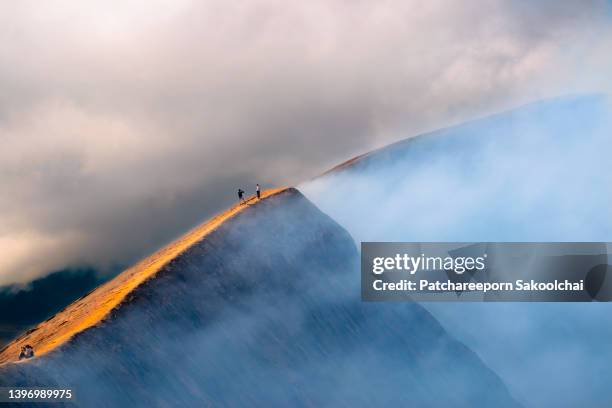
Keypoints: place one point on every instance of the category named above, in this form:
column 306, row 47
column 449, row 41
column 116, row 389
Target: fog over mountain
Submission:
column 538, row 173
column 264, row 309
column 123, row 123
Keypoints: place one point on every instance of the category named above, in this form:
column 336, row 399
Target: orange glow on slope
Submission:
column 95, row 307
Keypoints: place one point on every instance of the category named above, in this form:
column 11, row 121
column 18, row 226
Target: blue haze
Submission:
column 542, row 172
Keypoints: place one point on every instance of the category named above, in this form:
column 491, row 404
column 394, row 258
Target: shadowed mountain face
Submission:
column 538, row 173
column 264, row 310
column 23, row 306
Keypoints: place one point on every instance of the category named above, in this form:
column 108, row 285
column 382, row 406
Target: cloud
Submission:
column 123, row 123
column 540, row 173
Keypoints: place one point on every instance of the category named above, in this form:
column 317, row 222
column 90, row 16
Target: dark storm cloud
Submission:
column 122, row 123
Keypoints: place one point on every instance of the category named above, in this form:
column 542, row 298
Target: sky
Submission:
column 124, row 123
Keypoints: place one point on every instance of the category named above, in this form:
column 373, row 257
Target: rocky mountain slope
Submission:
column 260, row 307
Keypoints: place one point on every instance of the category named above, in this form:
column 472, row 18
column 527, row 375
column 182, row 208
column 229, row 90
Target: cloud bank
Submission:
column 122, row 123
column 540, row 173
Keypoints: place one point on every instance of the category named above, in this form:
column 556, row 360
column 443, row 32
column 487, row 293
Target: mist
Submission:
column 540, row 173
column 265, row 311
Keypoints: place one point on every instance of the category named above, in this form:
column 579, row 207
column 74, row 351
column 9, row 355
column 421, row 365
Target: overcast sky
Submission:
column 123, row 123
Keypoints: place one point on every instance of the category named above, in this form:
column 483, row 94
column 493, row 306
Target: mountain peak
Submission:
column 98, row 305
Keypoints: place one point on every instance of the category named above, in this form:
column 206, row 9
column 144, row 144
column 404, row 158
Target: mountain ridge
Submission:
column 405, row 143
column 95, row 306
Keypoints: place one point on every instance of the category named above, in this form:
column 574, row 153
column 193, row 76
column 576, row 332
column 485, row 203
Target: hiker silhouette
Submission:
column 27, row 351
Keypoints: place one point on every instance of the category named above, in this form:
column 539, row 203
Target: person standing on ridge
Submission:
column 27, row 351
column 258, row 192
column 240, row 196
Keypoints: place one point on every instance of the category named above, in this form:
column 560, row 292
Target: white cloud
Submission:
column 126, row 122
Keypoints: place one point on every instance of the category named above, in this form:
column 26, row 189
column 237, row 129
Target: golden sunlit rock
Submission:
column 93, row 308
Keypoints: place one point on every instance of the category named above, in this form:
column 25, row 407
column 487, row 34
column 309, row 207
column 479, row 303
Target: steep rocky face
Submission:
column 265, row 311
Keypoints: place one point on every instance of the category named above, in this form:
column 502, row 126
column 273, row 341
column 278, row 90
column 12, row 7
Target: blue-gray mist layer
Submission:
column 539, row 173
column 266, row 312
